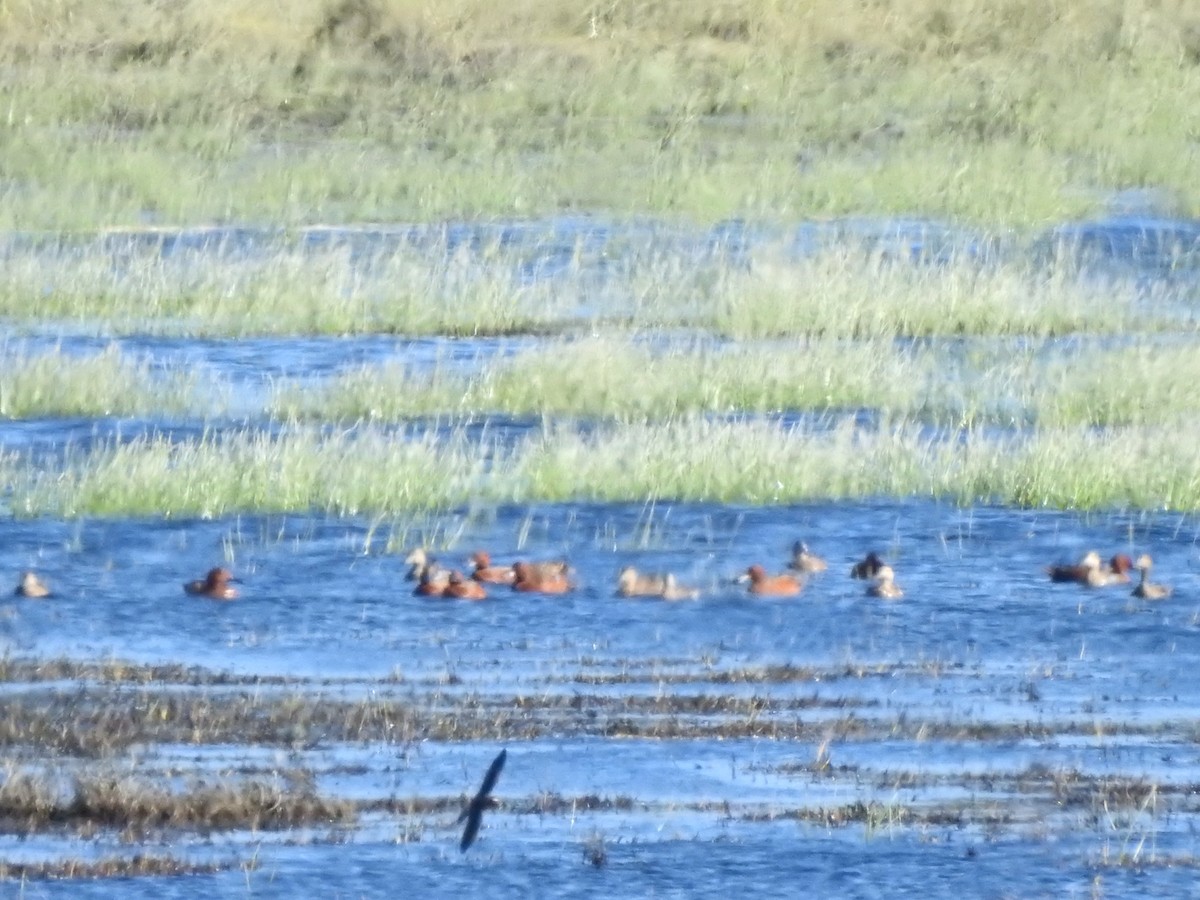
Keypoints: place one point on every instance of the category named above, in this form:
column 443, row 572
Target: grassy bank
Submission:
column 351, row 110
column 372, row 471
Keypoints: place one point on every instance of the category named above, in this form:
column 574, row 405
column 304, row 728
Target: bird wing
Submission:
column 493, row 773
column 474, row 817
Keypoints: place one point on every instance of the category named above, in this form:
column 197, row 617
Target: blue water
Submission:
column 969, row 695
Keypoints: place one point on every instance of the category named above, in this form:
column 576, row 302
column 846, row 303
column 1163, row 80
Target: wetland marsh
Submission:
column 662, row 285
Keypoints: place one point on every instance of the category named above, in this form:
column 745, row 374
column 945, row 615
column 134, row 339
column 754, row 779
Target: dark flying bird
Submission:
column 481, row 801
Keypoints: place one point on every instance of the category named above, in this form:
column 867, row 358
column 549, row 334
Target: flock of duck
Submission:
column 434, row 580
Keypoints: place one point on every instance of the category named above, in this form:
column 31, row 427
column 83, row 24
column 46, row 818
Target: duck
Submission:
column 431, row 584
column 867, row 566
column 803, row 560
column 672, row 590
column 31, row 586
column 1145, row 589
column 883, row 585
column 1089, row 571
column 464, row 588
column 764, row 585
column 483, row 570
column 632, row 583
column 532, row 579
column 215, row 585
column 1119, row 568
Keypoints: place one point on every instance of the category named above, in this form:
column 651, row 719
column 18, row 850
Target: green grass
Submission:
column 98, row 384
column 354, row 110
column 373, row 472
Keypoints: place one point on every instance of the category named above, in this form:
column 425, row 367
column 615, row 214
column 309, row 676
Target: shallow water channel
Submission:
column 989, row 732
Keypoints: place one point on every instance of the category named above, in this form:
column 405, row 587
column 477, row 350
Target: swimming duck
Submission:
column 765, row 585
column 1089, row 571
column 1118, row 569
column 215, row 585
column 631, row 583
column 1145, row 589
column 672, row 590
column 867, row 567
column 464, row 589
column 31, row 586
column 483, row 570
column 532, row 579
column 432, row 584
column 883, row 584
column 419, row 562
column 803, row 560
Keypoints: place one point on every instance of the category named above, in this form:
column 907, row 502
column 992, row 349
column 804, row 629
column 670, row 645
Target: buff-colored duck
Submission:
column 483, row 570
column 867, row 567
column 764, row 585
column 632, row 583
column 31, row 586
column 419, row 562
column 545, row 579
column 883, row 584
column 672, row 590
column 804, row 560
column 215, row 585
column 464, row 588
column 1145, row 589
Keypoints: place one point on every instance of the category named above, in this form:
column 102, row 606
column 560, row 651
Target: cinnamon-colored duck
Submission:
column 464, row 588
column 1119, row 568
column 531, row 579
column 483, row 570
column 215, row 585
column 764, row 585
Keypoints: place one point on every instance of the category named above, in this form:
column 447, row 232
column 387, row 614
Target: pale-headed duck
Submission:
column 764, row 585
column 804, row 560
column 31, row 586
column 632, row 583
column 215, row 585
column 1145, row 589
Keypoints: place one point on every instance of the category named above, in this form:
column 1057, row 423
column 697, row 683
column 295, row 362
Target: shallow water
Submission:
column 987, row 719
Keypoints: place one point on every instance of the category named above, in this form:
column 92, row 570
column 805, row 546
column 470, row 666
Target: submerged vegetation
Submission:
column 358, row 110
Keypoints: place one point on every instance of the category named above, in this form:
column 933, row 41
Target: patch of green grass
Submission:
column 612, row 377
column 99, row 384
column 372, row 471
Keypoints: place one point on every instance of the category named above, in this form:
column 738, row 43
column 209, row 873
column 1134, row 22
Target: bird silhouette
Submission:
column 481, row 801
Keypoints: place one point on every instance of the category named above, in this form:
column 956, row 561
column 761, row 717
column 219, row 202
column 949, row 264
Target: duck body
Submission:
column 483, row 570
column 803, row 560
column 431, row 584
column 31, row 586
column 1146, row 590
column 632, row 583
column 672, row 590
column 532, row 579
column 883, row 585
column 215, row 585
column 1089, row 572
column 764, row 585
column 464, row 588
